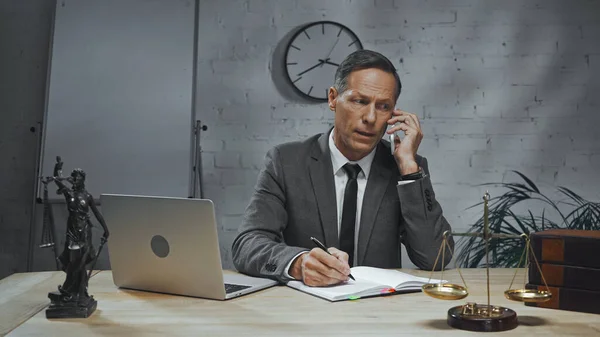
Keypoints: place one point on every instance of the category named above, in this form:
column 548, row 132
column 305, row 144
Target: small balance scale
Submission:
column 484, row 317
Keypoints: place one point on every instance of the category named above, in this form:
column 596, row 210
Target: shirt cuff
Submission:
column 286, row 271
column 404, row 182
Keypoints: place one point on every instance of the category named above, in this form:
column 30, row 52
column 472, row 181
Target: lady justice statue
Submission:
column 72, row 299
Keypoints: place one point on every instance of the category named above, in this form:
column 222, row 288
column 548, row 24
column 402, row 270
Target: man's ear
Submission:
column 332, row 96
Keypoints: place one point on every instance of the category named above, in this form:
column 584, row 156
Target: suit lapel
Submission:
column 377, row 183
column 321, row 177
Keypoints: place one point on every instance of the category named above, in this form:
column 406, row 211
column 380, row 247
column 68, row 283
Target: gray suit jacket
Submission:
column 294, row 199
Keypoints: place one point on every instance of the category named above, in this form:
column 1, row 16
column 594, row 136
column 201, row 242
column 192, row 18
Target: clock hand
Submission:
column 311, row 68
column 330, row 50
column 329, row 62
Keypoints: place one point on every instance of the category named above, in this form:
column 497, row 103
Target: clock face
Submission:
column 314, row 54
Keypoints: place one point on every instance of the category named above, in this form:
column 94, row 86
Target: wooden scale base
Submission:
column 476, row 317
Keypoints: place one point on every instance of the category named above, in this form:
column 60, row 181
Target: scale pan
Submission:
column 445, row 291
column 528, row 295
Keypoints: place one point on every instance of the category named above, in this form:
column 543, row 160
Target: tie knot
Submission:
column 352, row 170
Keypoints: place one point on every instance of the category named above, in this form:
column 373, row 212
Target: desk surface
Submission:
column 276, row 311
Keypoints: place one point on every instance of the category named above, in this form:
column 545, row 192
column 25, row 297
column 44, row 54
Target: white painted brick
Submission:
column 310, row 128
column 251, row 145
column 487, row 78
column 226, row 159
column 577, row 179
column 219, row 44
column 270, row 6
column 529, row 47
column 239, row 19
column 543, row 158
column 595, row 160
column 232, row 177
column 507, row 143
column 259, row 37
column 253, row 160
column 211, row 145
column 569, row 61
column 244, row 113
column 419, row 63
column 210, row 177
column 298, row 111
column 511, row 127
column 373, row 32
column 435, row 95
column 546, row 175
column 459, row 127
column 487, row 111
column 568, row 127
column 509, row 96
column 578, row 159
column 506, row 159
column 214, row 92
column 429, row 17
column 265, row 95
column 428, row 78
column 495, row 31
column 385, row 4
column 525, row 76
column 227, row 131
column 586, row 143
column 545, row 141
column 449, row 111
column 208, row 160
column 463, row 143
column 260, row 129
column 230, row 222
column 433, row 4
column 550, row 110
column 322, row 4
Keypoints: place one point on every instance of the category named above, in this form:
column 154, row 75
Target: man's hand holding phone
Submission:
column 405, row 150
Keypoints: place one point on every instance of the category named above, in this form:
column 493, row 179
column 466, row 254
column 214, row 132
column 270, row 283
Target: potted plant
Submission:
column 574, row 212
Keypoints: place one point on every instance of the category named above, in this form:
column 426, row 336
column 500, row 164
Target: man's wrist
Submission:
column 413, row 176
column 296, row 267
column 408, row 166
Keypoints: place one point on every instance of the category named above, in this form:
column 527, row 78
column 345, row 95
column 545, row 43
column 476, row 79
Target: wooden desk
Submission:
column 277, row 311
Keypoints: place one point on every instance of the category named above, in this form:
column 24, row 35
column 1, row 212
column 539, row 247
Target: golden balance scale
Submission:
column 481, row 317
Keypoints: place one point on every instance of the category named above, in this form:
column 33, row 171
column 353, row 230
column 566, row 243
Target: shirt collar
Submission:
column 338, row 160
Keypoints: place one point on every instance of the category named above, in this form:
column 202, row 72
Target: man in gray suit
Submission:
column 345, row 188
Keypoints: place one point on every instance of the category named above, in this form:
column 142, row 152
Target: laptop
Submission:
column 170, row 245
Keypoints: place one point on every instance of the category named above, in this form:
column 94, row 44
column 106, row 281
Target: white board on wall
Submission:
column 120, row 94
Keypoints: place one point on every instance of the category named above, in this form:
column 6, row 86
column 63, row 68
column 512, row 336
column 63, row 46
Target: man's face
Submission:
column 362, row 111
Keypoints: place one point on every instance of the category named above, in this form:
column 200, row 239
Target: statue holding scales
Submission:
column 72, row 298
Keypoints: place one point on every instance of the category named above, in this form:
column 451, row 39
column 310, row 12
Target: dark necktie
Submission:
column 348, row 227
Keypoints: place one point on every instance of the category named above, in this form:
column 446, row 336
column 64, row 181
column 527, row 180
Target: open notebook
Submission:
column 369, row 282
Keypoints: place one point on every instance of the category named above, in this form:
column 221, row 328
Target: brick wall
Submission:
column 498, row 85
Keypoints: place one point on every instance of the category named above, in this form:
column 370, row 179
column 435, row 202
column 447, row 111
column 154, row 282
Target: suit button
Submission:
column 428, row 199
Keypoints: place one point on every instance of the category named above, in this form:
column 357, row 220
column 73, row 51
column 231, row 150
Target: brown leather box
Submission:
column 557, row 275
column 578, row 248
column 569, row 299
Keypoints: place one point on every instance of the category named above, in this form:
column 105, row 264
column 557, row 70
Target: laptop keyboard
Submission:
column 230, row 288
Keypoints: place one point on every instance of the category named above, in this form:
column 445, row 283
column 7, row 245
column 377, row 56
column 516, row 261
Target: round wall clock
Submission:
column 313, row 55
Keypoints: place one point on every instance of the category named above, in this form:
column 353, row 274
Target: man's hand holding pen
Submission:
column 317, row 268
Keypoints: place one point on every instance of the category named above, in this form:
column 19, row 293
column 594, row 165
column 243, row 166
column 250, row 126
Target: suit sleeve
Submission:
column 424, row 222
column 259, row 248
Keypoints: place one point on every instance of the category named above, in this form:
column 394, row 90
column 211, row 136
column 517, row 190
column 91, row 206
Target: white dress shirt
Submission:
column 338, row 160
